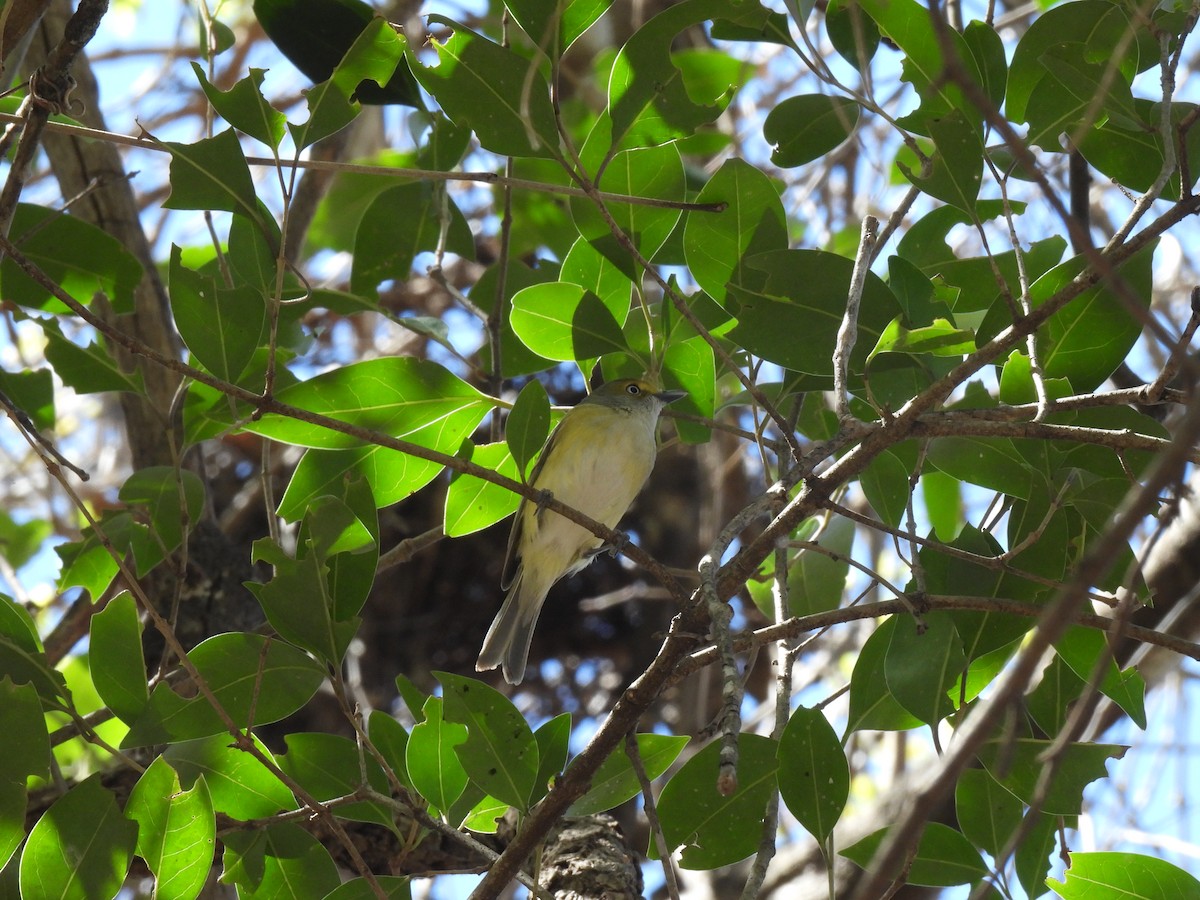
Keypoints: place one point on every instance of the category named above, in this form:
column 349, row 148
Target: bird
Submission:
column 596, row 461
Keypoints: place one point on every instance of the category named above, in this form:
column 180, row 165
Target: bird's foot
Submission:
column 615, row 547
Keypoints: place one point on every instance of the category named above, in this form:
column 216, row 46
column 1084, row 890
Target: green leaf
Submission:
column 804, row 292
column 274, row 861
column 1116, row 876
column 88, row 370
column 528, row 425
column 298, row 603
column 815, row 581
column 1050, row 703
column 329, row 111
column 177, row 831
column 400, row 396
column 391, row 740
column 515, row 358
column 33, row 394
column 922, row 665
column 1102, row 27
column 1017, row 766
column 566, row 322
column 645, row 83
column 554, row 31
column 500, row 753
column 616, row 781
column 80, row 258
column 1033, row 856
column 352, row 550
column 87, row 564
column 473, row 504
column 717, row 245
column 940, row 338
column 655, row 173
column 757, row 25
column 872, row 705
column 957, row 166
column 1081, row 649
column 988, row 814
column 414, row 698
column 212, row 174
column 391, row 475
column 993, row 463
column 319, row 36
column 373, row 56
column 221, row 326
column 885, row 483
column 239, row 784
column 1075, row 95
column 713, row 830
column 914, row 291
column 691, row 366
column 909, row 25
column 118, row 666
column 1134, row 156
column 27, row 755
column 501, row 97
column 434, row 767
column 159, row 491
column 978, row 289
column 13, row 802
column 587, row 267
column 987, row 48
column 814, row 777
column 244, row 107
column 1090, row 337
column 444, row 145
column 981, row 633
column 1105, row 462
column 21, row 718
column 485, row 816
column 553, row 740
column 22, row 659
column 247, row 673
column 854, row 35
column 943, row 857
column 80, row 848
column 806, row 127
column 399, row 223
column 329, row 766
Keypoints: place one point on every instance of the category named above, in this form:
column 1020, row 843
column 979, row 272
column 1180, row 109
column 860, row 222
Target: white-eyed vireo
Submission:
column 596, row 461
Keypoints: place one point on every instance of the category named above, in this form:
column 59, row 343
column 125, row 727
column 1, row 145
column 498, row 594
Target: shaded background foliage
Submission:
column 884, row 110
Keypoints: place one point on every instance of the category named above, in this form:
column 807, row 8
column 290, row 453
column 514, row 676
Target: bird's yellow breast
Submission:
column 597, row 462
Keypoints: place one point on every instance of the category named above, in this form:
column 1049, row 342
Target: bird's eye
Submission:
column 633, row 389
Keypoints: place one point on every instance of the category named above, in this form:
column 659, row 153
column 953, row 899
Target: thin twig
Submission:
column 1167, row 82
column 1024, row 299
column 785, row 659
column 847, row 334
column 651, row 810
column 1179, row 352
column 744, row 642
column 387, row 171
column 29, row 430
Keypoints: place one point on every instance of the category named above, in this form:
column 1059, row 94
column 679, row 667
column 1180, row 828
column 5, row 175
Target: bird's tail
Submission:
column 507, row 641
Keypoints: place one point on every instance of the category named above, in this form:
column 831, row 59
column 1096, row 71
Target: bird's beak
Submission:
column 670, row 396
